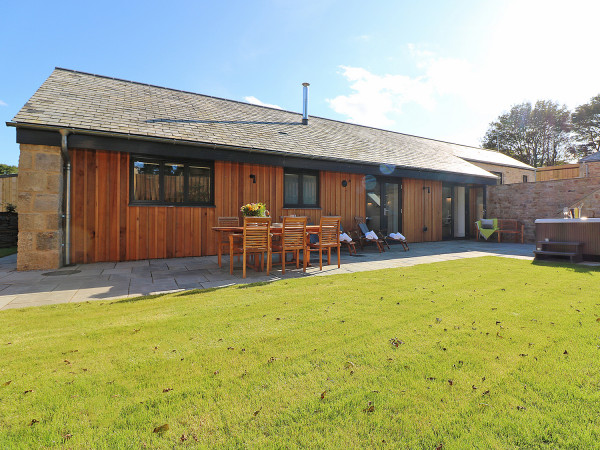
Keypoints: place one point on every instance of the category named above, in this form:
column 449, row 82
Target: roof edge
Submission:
column 471, row 160
column 107, row 134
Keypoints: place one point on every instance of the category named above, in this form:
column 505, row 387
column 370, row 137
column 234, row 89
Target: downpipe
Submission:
column 64, row 149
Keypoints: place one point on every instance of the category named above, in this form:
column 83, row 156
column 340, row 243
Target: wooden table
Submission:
column 276, row 228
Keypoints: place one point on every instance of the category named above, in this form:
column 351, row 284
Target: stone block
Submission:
column 47, row 240
column 38, row 260
column 30, row 181
column 47, row 203
column 26, row 241
column 48, row 162
column 33, row 222
column 25, row 161
column 53, row 221
column 24, row 201
column 54, row 182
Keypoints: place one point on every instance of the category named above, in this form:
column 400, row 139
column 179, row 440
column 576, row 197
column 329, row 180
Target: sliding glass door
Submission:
column 384, row 201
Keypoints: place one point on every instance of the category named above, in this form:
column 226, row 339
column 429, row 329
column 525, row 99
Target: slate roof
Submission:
column 591, row 158
column 487, row 156
column 78, row 100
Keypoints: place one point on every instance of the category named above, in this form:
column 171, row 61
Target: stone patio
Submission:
column 106, row 281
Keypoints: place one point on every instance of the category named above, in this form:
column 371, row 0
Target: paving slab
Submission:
column 109, row 281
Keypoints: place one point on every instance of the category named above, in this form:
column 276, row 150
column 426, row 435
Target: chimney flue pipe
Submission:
column 305, row 103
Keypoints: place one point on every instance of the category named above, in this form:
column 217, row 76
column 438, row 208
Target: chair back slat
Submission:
column 329, row 232
column 228, row 221
column 363, row 227
column 358, row 220
column 257, row 233
column 293, row 234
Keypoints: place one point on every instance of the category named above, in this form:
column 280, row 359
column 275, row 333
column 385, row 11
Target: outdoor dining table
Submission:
column 276, row 228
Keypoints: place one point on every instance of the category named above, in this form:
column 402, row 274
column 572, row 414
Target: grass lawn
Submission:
column 7, row 251
column 486, row 353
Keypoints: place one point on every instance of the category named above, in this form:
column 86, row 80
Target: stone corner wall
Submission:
column 542, row 200
column 40, row 204
column 589, row 169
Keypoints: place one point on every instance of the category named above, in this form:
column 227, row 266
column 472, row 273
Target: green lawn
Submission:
column 486, row 353
column 7, row 251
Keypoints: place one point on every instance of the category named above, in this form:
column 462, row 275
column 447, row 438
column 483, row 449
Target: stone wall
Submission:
column 589, row 169
column 39, row 203
column 546, row 199
column 510, row 175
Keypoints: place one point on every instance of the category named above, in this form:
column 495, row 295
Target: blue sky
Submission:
column 437, row 69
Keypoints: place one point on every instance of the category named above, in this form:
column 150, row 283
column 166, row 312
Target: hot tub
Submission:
column 586, row 231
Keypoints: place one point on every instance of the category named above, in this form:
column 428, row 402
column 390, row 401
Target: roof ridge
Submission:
column 266, row 107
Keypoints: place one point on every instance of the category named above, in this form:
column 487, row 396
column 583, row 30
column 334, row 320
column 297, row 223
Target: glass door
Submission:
column 373, row 210
column 384, row 199
column 447, row 217
column 391, row 210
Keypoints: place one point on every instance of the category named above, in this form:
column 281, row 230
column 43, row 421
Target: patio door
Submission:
column 455, row 211
column 384, row 201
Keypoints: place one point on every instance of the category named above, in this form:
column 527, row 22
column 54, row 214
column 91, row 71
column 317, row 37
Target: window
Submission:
column 171, row 182
column 524, row 178
column 499, row 175
column 300, row 189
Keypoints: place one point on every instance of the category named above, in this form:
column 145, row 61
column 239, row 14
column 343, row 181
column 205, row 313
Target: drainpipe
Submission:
column 64, row 149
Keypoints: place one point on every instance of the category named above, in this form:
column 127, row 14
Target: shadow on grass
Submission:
column 577, row 268
column 256, row 284
column 174, row 294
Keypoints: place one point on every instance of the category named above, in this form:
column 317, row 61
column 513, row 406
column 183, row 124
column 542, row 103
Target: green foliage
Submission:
column 449, row 353
column 5, row 169
column 586, row 127
column 7, row 251
column 538, row 136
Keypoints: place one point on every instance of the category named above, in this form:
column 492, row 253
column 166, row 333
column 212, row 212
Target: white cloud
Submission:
column 3, row 103
column 255, row 101
column 377, row 96
column 537, row 50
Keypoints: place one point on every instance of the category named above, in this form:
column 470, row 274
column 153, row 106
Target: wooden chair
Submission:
column 293, row 239
column 256, row 240
column 361, row 226
column 329, row 237
column 404, row 242
column 362, row 230
column 224, row 239
column 350, row 245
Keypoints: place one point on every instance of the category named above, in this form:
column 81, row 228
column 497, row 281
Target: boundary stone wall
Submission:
column 542, row 200
column 40, row 202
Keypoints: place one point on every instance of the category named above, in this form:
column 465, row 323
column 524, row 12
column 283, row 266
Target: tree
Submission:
column 537, row 136
column 5, row 169
column 586, row 128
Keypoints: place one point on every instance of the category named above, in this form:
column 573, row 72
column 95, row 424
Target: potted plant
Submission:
column 255, row 210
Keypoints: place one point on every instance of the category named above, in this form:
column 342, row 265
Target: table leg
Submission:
column 219, row 238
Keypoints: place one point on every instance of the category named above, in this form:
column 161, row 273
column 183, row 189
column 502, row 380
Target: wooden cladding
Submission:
column 421, row 210
column 105, row 228
column 563, row 172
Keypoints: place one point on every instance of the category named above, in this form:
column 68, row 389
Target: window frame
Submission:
column 500, row 176
column 525, row 179
column 301, row 173
column 161, row 161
